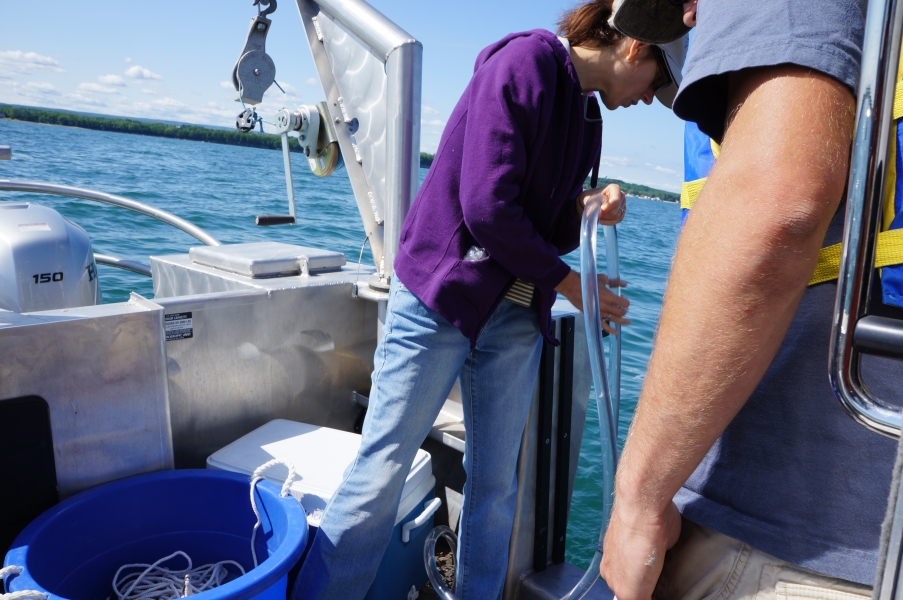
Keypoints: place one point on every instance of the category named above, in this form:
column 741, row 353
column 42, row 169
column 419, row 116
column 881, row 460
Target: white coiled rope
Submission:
column 22, row 595
column 156, row 581
column 159, row 583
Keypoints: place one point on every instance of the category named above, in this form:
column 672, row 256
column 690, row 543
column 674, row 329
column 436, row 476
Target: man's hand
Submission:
column 611, row 306
column 614, row 203
column 635, row 547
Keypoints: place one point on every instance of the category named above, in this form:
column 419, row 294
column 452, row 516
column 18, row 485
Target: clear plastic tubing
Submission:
column 605, row 405
column 429, row 559
column 606, row 400
column 613, row 266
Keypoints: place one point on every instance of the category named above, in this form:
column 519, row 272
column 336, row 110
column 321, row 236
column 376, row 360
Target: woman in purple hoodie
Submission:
column 476, row 275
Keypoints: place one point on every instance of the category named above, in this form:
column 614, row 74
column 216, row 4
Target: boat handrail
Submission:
column 121, row 263
column 868, row 167
column 38, row 187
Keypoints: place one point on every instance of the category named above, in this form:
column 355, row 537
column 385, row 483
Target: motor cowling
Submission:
column 46, row 261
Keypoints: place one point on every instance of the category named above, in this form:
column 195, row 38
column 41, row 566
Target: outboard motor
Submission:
column 46, row 261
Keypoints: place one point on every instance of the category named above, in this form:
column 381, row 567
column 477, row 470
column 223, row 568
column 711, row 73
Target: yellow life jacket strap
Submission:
column 890, row 243
column 689, row 192
column 898, row 100
column 890, row 252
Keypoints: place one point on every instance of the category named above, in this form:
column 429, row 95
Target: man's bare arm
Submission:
column 742, row 264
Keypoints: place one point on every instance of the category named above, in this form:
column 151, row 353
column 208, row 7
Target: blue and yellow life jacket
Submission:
column 701, row 153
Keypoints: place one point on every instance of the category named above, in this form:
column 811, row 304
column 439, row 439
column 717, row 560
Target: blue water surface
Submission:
column 221, row 188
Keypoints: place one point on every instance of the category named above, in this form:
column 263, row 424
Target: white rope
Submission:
column 155, row 582
column 257, row 476
column 159, row 583
column 22, row 595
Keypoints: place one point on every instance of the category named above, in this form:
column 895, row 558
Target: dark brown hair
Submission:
column 587, row 25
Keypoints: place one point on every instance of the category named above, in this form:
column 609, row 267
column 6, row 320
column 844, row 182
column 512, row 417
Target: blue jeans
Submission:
column 416, row 364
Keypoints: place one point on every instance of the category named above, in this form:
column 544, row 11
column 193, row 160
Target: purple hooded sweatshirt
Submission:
column 511, row 162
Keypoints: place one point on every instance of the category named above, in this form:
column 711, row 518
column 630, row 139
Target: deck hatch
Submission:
column 267, row 259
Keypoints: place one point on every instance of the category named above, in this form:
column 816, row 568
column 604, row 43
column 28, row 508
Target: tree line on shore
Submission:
column 232, row 137
column 635, row 189
column 182, row 132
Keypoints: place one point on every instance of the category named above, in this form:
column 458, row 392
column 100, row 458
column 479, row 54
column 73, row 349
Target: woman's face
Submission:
column 636, row 77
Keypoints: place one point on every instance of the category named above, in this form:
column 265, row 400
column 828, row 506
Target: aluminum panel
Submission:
column 371, row 73
column 361, row 80
column 102, row 371
column 284, row 348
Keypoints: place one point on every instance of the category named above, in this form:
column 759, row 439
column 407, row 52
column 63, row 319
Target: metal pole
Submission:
column 36, row 187
column 289, row 182
column 403, row 70
column 880, row 57
column 121, row 263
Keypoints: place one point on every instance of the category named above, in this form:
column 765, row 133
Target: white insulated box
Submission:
column 321, row 456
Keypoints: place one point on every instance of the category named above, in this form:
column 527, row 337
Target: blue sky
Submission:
column 173, row 61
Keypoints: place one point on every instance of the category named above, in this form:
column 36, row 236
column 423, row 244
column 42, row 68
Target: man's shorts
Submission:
column 731, row 35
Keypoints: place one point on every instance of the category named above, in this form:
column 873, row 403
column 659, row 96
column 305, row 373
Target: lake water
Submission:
column 221, row 189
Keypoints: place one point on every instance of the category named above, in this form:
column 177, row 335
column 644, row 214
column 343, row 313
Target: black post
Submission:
column 544, row 457
column 563, row 459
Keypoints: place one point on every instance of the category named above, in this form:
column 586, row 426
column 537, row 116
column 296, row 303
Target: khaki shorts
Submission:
column 707, row 565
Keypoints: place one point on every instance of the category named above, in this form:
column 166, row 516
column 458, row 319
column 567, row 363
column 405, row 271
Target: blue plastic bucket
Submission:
column 73, row 550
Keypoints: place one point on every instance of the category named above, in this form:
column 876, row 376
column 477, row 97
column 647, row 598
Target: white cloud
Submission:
column 434, row 122
column 149, row 92
column 661, row 169
column 83, row 100
column 137, row 72
column 41, row 87
column 429, row 110
column 312, row 81
column 96, row 87
column 16, row 61
column 169, row 103
column 112, row 80
column 289, row 88
column 208, row 113
column 611, row 161
column 227, row 85
column 128, row 59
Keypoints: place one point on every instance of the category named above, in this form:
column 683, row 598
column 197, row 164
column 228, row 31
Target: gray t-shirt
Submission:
column 825, row 35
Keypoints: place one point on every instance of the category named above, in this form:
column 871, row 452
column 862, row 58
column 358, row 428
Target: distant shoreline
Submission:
column 155, row 129
column 233, row 138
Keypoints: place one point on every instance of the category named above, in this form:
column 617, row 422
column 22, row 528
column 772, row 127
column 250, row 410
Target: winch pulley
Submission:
column 254, row 71
column 252, row 76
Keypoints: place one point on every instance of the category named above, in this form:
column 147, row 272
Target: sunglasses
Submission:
column 663, row 78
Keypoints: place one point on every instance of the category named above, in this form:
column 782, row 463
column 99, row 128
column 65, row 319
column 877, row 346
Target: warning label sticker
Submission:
column 178, row 326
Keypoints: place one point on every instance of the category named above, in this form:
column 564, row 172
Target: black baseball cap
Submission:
column 650, row 21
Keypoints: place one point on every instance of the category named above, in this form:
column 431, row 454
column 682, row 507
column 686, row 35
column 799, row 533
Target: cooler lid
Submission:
column 321, row 456
column 267, row 259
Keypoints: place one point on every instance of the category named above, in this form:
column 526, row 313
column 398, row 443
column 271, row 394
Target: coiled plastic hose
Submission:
column 607, row 385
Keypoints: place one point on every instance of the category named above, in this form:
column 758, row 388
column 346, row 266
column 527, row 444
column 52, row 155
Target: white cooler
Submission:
column 321, row 456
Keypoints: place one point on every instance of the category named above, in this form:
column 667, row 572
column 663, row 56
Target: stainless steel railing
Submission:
column 120, row 263
column 868, row 168
column 37, row 187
